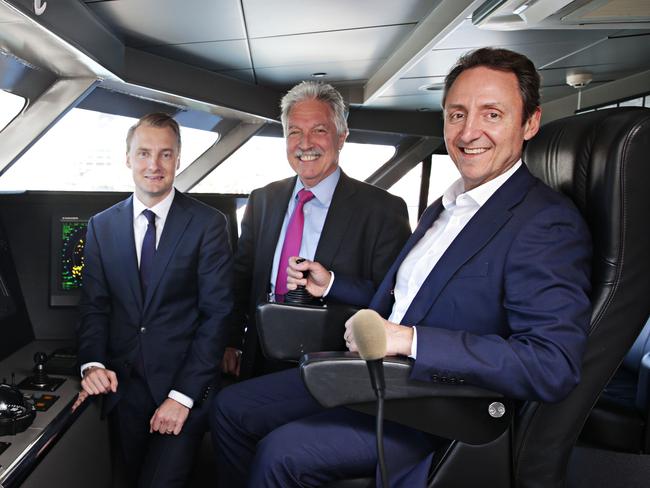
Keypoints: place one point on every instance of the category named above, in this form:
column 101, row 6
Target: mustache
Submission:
column 310, row 152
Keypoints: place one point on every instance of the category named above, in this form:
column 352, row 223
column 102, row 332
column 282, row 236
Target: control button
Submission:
column 434, row 378
column 496, row 410
column 143, row 330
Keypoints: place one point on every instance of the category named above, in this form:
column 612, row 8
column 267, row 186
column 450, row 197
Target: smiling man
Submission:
column 157, row 290
column 350, row 226
column 492, row 290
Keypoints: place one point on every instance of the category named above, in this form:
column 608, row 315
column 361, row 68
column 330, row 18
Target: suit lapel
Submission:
column 175, row 225
column 477, row 233
column 271, row 220
column 336, row 222
column 382, row 302
column 124, row 244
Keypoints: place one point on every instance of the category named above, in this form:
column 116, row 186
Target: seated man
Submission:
column 490, row 290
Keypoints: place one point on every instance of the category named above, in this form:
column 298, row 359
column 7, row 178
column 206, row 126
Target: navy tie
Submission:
column 148, row 249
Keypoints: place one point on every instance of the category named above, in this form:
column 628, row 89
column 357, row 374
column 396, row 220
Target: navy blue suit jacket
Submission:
column 506, row 307
column 177, row 330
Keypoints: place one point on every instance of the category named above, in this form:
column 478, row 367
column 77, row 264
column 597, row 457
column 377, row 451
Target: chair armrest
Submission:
column 454, row 411
column 287, row 331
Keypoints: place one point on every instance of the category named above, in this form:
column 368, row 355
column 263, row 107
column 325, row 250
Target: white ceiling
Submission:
column 390, row 48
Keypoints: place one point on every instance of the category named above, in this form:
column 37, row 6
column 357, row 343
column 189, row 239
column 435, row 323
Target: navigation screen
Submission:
column 67, row 259
column 73, row 237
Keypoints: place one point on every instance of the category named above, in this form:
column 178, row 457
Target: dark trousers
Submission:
column 152, row 460
column 269, row 432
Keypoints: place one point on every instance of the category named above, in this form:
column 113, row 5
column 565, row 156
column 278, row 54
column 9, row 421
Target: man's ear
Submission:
column 128, row 161
column 532, row 124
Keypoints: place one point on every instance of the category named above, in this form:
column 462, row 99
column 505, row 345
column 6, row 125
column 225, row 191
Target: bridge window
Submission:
column 263, row 160
column 443, row 174
column 10, row 106
column 85, row 151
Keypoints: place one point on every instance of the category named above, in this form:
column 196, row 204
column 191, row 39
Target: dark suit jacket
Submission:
column 364, row 230
column 177, row 330
column 507, row 305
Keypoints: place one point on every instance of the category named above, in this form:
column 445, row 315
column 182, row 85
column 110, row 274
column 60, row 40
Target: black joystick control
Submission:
column 40, row 378
column 300, row 295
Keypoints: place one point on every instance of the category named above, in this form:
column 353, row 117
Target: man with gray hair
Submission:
column 356, row 228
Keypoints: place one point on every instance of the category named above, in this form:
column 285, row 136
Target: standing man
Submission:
column 349, row 226
column 492, row 290
column 155, row 296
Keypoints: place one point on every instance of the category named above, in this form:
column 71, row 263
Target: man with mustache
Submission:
column 349, row 226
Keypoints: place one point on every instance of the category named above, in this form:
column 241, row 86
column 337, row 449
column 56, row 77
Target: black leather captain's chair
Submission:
column 602, row 161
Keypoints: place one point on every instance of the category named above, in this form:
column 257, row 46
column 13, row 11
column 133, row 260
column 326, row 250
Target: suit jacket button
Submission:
column 143, row 330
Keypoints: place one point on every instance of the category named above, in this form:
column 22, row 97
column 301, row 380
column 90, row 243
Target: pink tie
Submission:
column 292, row 240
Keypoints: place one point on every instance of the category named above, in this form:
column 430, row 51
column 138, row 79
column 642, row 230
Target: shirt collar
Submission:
column 161, row 209
column 324, row 190
column 481, row 193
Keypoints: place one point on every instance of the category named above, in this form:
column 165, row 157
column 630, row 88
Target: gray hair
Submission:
column 316, row 90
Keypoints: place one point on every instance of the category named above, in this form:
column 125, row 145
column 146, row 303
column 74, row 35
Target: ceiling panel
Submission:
column 151, row 22
column 427, row 101
column 286, row 76
column 266, row 18
column 327, row 47
column 220, row 55
column 618, row 54
column 468, row 36
column 239, row 74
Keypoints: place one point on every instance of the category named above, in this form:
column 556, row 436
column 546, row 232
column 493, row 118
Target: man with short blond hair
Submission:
column 157, row 290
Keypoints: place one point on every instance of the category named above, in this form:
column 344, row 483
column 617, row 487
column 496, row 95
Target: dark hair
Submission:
column 502, row 60
column 158, row 119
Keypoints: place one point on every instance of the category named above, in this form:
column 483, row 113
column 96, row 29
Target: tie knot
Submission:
column 149, row 215
column 304, row 196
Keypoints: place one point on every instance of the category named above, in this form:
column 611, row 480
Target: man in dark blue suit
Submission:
column 157, row 289
column 490, row 290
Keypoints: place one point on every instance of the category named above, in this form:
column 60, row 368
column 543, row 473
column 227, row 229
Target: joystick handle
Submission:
column 40, row 377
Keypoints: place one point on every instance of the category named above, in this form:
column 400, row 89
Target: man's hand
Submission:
column 83, row 394
column 231, row 362
column 169, row 417
column 97, row 381
column 317, row 280
column 399, row 338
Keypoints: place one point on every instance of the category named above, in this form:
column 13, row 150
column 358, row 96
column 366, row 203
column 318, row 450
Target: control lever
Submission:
column 40, row 378
column 300, row 295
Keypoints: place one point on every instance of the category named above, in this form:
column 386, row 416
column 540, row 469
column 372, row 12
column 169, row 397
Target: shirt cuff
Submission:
column 329, row 287
column 414, row 344
column 182, row 399
column 85, row 366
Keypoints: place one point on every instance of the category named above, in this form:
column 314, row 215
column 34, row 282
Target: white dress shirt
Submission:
column 140, row 223
column 459, row 208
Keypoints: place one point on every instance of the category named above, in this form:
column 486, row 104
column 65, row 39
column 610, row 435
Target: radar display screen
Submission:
column 67, row 259
column 73, row 238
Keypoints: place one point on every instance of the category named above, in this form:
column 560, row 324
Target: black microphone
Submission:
column 370, row 336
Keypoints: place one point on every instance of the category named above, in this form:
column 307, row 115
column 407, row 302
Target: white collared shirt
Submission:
column 140, row 223
column 459, row 208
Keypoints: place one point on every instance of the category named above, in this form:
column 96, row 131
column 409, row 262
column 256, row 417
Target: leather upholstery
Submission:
column 600, row 160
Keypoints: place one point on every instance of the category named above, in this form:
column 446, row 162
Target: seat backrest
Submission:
column 601, row 160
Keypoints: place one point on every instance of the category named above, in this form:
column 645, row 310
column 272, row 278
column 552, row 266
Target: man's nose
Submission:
column 471, row 129
column 305, row 142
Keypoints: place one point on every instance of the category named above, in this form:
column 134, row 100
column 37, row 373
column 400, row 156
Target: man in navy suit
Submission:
column 157, row 289
column 490, row 290
column 350, row 227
